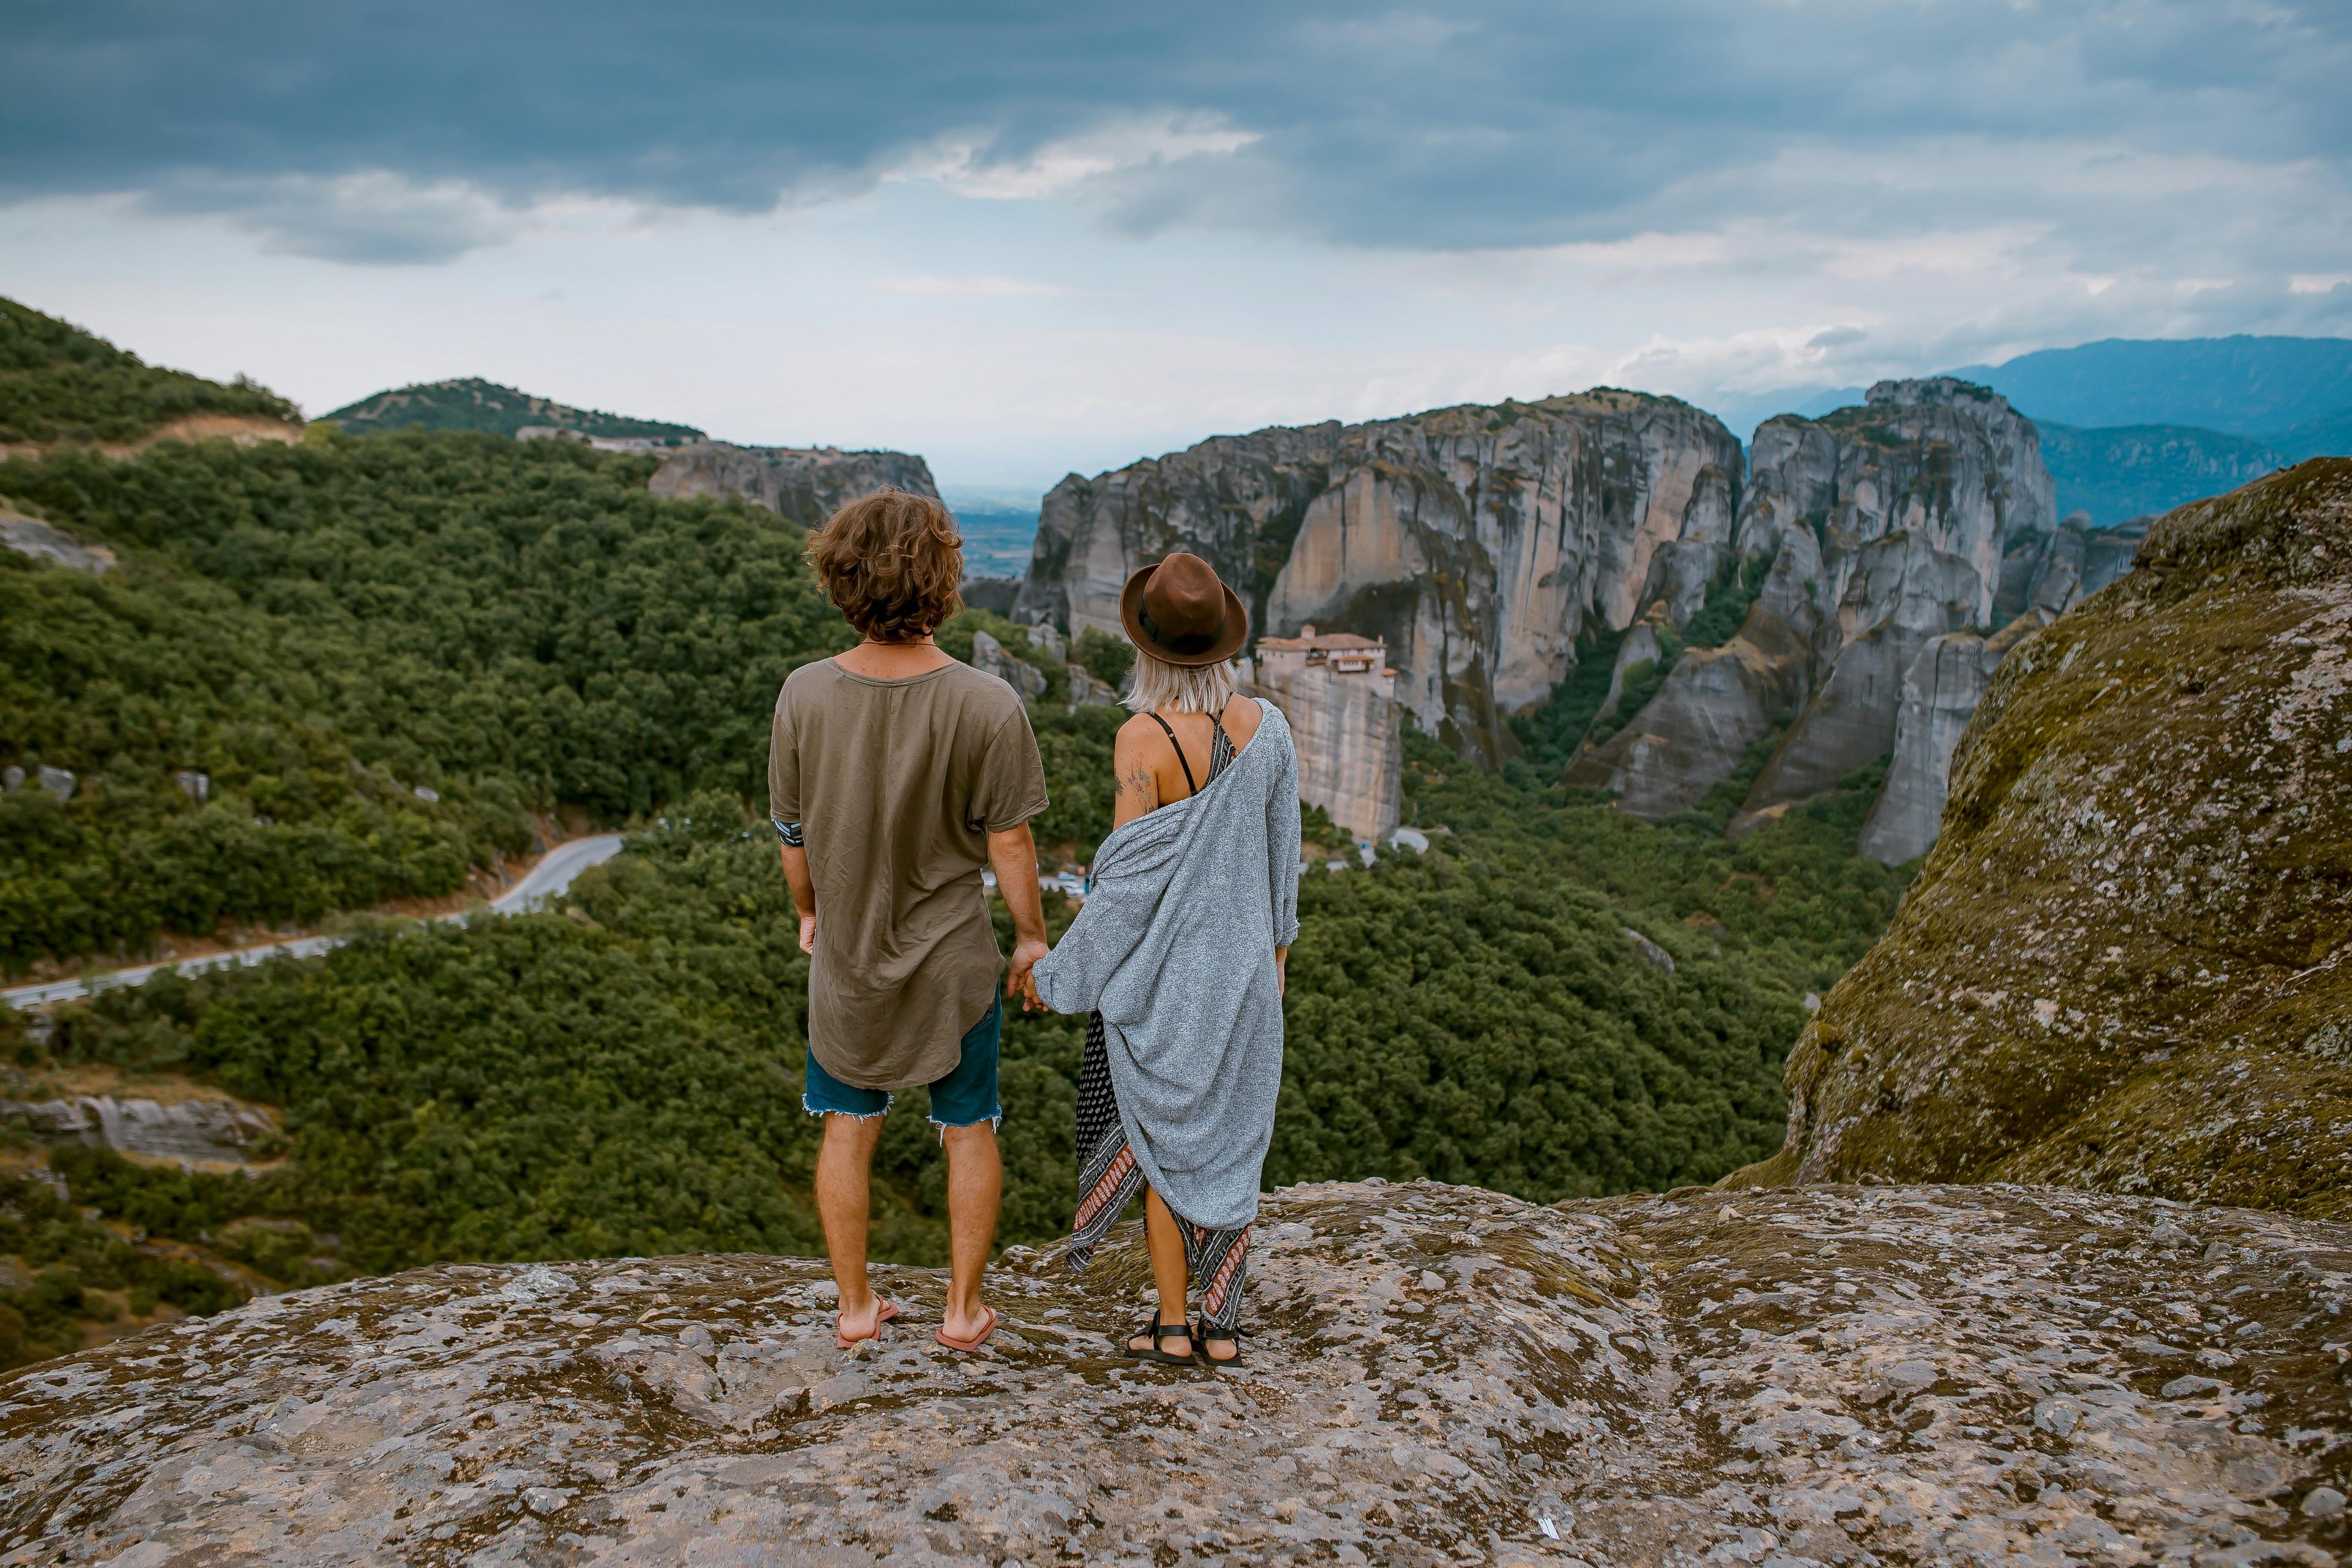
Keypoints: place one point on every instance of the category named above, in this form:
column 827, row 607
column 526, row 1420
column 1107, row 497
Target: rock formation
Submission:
column 1339, row 696
column 1479, row 542
column 804, row 484
column 1436, row 1375
column 202, row 1130
column 992, row 657
column 2127, row 963
column 1940, row 693
column 1885, row 524
column 31, row 536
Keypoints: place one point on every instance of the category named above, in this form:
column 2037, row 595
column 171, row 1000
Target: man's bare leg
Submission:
column 975, row 1191
column 844, row 1166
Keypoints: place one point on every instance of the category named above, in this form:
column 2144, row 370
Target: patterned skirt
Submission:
column 1109, row 1178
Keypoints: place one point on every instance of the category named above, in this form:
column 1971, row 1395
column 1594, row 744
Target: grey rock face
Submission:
column 59, row 781
column 1716, row 702
column 805, row 484
column 30, row 536
column 1436, row 1376
column 1088, row 689
column 1885, row 524
column 1479, row 541
column 1940, row 693
column 991, row 657
column 210, row 1130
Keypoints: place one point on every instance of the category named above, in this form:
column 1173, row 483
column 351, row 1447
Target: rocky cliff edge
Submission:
column 2127, row 964
column 1436, row 1375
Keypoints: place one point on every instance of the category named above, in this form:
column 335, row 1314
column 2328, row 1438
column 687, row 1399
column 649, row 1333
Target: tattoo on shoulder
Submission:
column 1137, row 782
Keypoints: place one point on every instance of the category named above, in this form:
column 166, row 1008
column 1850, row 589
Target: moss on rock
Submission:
column 2127, row 964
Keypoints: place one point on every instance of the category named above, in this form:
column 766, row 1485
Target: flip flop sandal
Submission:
column 974, row 1343
column 1159, row 1330
column 883, row 1314
column 1208, row 1334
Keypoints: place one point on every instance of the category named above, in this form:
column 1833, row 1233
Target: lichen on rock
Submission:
column 2127, row 963
column 1436, row 1375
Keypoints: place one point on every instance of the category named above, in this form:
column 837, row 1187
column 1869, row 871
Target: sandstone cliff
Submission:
column 1479, row 541
column 2127, row 963
column 1886, row 526
column 805, row 484
column 1436, row 1375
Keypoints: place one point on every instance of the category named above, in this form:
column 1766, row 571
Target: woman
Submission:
column 1178, row 954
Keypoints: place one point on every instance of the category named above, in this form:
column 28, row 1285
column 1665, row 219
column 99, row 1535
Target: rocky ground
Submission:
column 1437, row 1375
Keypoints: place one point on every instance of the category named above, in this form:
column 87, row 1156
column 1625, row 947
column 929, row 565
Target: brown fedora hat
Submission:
column 1181, row 613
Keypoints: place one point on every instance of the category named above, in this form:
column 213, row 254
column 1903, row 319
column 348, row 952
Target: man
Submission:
column 894, row 773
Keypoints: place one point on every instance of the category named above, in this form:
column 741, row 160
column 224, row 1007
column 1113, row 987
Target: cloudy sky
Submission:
column 1026, row 239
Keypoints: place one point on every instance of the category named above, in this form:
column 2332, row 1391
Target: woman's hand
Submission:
column 1021, row 975
column 1282, row 971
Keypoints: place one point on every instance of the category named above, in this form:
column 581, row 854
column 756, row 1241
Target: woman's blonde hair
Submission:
column 1155, row 683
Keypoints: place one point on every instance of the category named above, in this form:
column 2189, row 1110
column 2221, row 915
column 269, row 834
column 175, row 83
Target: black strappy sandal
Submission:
column 1208, row 1334
column 1159, row 1331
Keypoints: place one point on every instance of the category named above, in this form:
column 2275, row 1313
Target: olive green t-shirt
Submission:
column 895, row 786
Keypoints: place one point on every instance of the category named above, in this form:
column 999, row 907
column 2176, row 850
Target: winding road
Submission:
column 554, row 872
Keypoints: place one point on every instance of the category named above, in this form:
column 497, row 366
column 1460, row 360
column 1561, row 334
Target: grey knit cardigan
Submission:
column 1175, row 947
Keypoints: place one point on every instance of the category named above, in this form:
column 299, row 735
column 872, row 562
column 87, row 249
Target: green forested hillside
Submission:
column 469, row 403
column 322, row 629
column 59, row 382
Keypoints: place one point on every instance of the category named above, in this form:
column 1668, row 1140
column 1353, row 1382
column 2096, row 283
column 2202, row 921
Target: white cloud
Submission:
column 1064, row 166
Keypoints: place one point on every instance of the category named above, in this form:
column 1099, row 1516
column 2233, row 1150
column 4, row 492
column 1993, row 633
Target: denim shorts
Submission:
column 965, row 1098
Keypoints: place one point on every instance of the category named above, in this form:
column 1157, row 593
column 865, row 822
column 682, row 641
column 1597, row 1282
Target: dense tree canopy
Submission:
column 59, row 382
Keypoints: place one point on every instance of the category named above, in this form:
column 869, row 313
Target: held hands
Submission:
column 1020, row 978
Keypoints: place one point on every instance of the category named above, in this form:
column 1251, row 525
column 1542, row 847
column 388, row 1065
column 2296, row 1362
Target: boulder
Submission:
column 1435, row 1375
column 1478, row 541
column 2127, row 963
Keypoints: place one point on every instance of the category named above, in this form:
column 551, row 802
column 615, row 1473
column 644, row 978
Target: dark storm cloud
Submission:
column 1497, row 123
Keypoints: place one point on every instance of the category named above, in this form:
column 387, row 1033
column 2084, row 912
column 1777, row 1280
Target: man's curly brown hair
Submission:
column 890, row 563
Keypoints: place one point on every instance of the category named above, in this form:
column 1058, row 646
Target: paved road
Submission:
column 550, row 877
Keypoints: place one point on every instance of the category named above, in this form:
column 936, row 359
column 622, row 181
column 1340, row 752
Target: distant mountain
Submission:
column 59, row 384
column 2132, row 470
column 472, row 404
column 2241, row 385
column 2328, row 436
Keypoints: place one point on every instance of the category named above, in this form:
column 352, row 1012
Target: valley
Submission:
column 1674, row 717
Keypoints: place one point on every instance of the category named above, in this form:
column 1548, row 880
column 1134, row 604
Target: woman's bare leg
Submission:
column 1167, row 1277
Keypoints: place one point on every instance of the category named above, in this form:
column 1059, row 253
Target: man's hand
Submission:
column 796, row 873
column 1013, row 854
column 1020, row 978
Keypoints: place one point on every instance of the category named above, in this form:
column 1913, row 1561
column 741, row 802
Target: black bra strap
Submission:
column 1189, row 787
